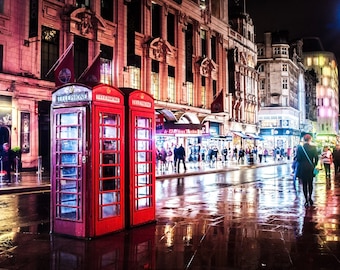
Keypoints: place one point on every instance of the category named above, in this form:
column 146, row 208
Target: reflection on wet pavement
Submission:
column 246, row 219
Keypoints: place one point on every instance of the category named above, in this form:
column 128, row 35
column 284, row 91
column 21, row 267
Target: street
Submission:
column 251, row 218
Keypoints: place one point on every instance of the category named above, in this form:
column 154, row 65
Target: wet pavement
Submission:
column 225, row 217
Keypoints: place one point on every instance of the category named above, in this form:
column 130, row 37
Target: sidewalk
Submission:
column 33, row 182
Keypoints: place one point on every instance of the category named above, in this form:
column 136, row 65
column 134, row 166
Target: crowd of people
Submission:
column 171, row 158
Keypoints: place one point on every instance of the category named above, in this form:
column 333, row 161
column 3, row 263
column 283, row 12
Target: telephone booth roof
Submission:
column 80, row 93
column 138, row 99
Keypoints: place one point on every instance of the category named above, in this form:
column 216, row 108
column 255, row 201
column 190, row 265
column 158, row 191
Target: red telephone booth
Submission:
column 88, row 161
column 140, row 157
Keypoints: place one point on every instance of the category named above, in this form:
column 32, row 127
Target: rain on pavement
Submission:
column 242, row 219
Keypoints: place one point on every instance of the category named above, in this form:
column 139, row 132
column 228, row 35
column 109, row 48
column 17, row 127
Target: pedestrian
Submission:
column 265, row 154
column 336, row 159
column 326, row 158
column 175, row 157
column 6, row 160
column 241, row 153
column 225, row 154
column 260, row 153
column 181, row 157
column 307, row 158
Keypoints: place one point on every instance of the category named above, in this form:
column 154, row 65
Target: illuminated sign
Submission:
column 75, row 97
column 108, row 98
column 141, row 103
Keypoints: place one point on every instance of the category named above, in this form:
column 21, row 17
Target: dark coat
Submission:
column 305, row 168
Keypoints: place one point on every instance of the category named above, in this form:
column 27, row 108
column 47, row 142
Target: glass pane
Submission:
column 110, row 210
column 69, row 172
column 68, row 185
column 143, row 134
column 69, row 158
column 69, row 145
column 110, row 132
column 142, row 145
column 109, row 184
column 69, row 119
column 68, row 132
column 109, row 145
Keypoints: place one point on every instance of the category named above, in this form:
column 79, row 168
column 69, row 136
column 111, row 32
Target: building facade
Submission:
column 282, row 91
column 325, row 66
column 198, row 67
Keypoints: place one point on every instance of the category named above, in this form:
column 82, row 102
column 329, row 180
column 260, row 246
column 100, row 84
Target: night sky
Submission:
column 301, row 18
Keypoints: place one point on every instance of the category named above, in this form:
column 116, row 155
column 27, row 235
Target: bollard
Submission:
column 40, row 169
column 1, row 171
column 17, row 174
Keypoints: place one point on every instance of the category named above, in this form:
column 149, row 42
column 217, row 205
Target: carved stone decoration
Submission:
column 208, row 68
column 160, row 49
column 85, row 25
column 183, row 19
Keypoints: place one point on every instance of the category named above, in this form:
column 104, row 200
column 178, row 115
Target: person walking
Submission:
column 307, row 158
column 181, row 157
column 336, row 159
column 260, row 153
column 326, row 158
column 6, row 160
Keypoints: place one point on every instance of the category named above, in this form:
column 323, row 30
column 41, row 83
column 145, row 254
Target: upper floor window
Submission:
column 106, row 9
column 284, row 83
column 106, row 57
column 49, row 51
column 260, row 68
column 277, row 50
column 171, row 28
column 1, row 57
column 2, row 6
column 284, row 67
column 284, row 51
column 262, row 84
column 203, row 43
column 260, row 51
column 156, row 20
column 82, row 3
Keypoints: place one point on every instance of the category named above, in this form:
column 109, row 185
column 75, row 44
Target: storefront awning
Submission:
column 254, row 137
column 240, row 134
column 168, row 115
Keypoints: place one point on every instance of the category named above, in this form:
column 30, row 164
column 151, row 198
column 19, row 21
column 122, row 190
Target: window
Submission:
column 106, row 57
column 80, row 55
column 203, row 43
column 156, row 20
column 284, row 83
column 135, row 73
column 284, row 51
column 83, row 3
column 276, row 50
column 171, row 84
column 2, row 6
column 1, row 57
column 260, row 51
column 49, row 51
column 213, row 48
column 262, row 84
column 284, row 67
column 190, row 93
column 106, row 9
column 260, row 68
column 155, row 79
column 203, row 90
column 171, row 28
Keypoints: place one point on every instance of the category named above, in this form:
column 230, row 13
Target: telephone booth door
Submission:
column 108, row 160
column 141, row 157
column 69, row 171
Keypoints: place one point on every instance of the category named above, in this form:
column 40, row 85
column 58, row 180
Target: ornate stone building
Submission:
column 187, row 54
